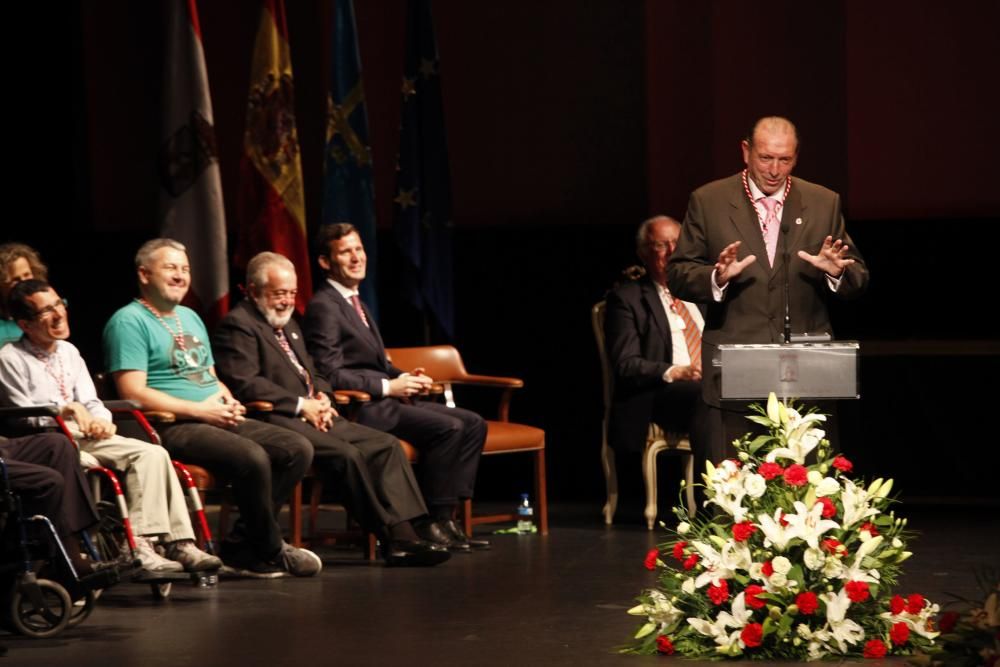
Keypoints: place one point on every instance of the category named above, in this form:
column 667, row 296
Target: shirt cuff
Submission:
column 834, row 283
column 717, row 292
column 666, row 375
column 385, row 387
column 298, row 406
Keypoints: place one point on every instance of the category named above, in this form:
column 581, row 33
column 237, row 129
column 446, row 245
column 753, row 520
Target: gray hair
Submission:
column 643, row 233
column 144, row 253
column 261, row 262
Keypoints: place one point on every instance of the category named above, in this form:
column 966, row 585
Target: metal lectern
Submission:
column 790, row 370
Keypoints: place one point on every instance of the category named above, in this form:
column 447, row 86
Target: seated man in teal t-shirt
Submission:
column 158, row 352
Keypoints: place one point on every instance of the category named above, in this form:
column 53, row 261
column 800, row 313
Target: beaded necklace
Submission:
column 178, row 335
column 753, row 203
column 53, row 366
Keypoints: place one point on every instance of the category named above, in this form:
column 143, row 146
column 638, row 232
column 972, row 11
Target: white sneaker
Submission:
column 152, row 561
column 191, row 557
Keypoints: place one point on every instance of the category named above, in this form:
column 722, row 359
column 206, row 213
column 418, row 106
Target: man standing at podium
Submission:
column 742, row 238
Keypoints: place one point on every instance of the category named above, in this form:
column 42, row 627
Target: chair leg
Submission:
column 540, row 493
column 225, row 507
column 610, row 481
column 295, row 515
column 649, row 475
column 315, row 497
column 467, row 516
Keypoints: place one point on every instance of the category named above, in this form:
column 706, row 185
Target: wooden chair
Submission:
column 444, row 364
column 656, row 442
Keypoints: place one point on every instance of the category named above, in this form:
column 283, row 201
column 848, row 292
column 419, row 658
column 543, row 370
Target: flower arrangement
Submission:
column 797, row 561
column 970, row 634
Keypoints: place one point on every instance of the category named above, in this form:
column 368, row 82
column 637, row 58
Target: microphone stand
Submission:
column 784, row 253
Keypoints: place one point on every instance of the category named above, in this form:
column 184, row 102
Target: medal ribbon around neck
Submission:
column 54, row 367
column 178, row 335
column 753, row 202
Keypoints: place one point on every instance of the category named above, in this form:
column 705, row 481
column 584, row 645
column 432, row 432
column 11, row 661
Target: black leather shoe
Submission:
column 398, row 553
column 457, row 534
column 436, row 533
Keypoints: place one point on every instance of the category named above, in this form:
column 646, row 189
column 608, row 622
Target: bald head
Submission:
column 770, row 153
column 774, row 126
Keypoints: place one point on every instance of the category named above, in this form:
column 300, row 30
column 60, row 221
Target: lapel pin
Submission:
column 798, row 221
column 295, row 336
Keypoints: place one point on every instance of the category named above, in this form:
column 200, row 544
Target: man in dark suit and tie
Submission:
column 741, row 236
column 260, row 354
column 654, row 347
column 345, row 343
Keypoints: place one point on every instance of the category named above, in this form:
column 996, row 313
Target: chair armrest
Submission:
column 47, row 410
column 347, row 396
column 122, row 405
column 159, row 416
column 490, row 381
column 259, row 406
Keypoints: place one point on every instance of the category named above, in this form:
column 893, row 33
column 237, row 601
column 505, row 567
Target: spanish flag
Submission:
column 271, row 209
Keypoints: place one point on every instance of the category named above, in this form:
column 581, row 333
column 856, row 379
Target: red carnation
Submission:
column 899, row 634
column 897, row 604
column 769, row 470
column 829, row 509
column 743, row 531
column 691, row 561
column 782, row 520
column 833, row 547
column 857, row 591
column 842, row 464
column 914, row 603
column 948, row 621
column 751, row 593
column 664, row 645
column 870, row 527
column 679, row 550
column 651, row 557
column 807, row 603
column 719, row 594
column 752, row 634
column 796, row 475
column 875, row 648
column 767, row 569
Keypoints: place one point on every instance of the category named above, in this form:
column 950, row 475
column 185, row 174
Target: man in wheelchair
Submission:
column 44, row 368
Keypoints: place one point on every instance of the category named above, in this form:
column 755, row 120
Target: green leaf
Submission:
column 645, row 630
column 796, row 574
column 784, row 626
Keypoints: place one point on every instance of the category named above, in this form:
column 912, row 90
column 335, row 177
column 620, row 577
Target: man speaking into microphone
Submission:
column 753, row 243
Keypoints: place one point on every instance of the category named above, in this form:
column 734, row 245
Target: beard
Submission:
column 276, row 319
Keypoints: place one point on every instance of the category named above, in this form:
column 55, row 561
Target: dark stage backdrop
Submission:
column 568, row 123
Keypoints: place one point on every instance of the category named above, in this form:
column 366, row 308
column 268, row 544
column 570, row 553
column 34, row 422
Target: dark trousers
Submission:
column 263, row 463
column 450, row 441
column 374, row 479
column 44, row 470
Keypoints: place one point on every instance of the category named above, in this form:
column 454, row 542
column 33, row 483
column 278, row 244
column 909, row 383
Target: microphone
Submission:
column 784, row 252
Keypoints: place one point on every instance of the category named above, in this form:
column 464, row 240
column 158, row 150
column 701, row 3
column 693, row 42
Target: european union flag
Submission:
column 348, row 190
column 422, row 221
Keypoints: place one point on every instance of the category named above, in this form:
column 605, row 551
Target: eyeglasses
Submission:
column 49, row 311
column 281, row 294
column 659, row 246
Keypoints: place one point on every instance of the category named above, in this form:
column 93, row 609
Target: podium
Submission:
column 790, row 370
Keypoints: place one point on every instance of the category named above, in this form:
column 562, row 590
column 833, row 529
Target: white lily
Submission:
column 801, row 438
column 658, row 609
column 855, row 572
column 855, row 501
column 828, row 486
column 721, row 564
column 917, row 623
column 727, row 480
column 774, row 533
column 809, row 524
column 718, row 631
column 842, row 629
column 772, row 408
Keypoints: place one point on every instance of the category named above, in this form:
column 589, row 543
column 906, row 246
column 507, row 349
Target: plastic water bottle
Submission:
column 525, row 515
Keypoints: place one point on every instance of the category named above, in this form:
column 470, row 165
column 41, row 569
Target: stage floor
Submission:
column 531, row 600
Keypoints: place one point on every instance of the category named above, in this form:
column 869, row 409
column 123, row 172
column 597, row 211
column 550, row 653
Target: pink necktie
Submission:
column 356, row 302
column 771, row 226
column 283, row 342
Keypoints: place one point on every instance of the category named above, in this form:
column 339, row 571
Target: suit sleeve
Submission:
column 854, row 280
column 621, row 331
column 689, row 271
column 237, row 361
column 324, row 339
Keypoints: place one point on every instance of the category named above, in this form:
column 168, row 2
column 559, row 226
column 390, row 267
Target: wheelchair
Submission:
column 41, row 594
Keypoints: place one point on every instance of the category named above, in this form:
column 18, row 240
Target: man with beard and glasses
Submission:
column 159, row 355
column 260, row 354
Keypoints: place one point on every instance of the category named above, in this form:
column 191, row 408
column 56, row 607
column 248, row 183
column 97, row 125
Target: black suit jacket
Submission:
column 249, row 359
column 640, row 350
column 350, row 355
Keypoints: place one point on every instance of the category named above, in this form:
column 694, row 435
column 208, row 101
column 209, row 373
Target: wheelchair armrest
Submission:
column 47, row 410
column 122, row 405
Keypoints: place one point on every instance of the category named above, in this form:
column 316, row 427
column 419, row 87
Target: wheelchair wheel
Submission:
column 161, row 591
column 47, row 621
column 82, row 609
